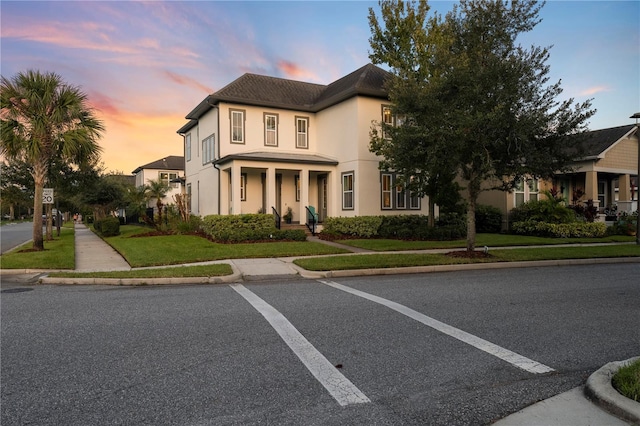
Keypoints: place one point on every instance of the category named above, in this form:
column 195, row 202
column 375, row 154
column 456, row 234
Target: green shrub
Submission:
column 560, row 230
column 488, row 219
column 97, row 225
column 403, row 226
column 549, row 210
column 220, row 227
column 194, row 224
column 359, row 226
column 625, row 224
column 107, row 227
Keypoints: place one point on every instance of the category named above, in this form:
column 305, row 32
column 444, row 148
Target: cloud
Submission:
column 294, row 71
column 187, row 81
column 595, row 89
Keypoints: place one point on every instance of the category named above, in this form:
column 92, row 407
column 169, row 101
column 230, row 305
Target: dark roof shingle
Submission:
column 171, row 162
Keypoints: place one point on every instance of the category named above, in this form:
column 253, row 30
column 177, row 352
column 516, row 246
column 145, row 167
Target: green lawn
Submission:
column 396, row 260
column 175, row 249
column 627, row 381
column 57, row 254
column 490, row 240
column 178, row 271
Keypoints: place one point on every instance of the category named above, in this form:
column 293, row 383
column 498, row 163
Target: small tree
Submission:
column 45, row 118
column 473, row 102
column 157, row 190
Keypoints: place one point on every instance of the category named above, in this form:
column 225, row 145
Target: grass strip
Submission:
column 57, row 254
column 398, row 260
column 490, row 240
column 216, row 270
column 627, row 381
column 178, row 249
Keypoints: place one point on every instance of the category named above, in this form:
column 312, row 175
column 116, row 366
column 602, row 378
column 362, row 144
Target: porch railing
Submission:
column 277, row 217
column 312, row 219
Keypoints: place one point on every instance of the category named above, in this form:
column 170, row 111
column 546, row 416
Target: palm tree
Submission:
column 43, row 118
column 157, row 189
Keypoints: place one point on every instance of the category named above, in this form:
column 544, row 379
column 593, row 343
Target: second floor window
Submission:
column 271, row 129
column 302, row 134
column 208, row 149
column 187, row 147
column 387, row 120
column 168, row 177
column 237, row 126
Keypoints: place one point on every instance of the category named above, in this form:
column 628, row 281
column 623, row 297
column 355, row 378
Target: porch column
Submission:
column 271, row 189
column 624, row 187
column 225, row 195
column 591, row 188
column 304, row 194
column 236, row 201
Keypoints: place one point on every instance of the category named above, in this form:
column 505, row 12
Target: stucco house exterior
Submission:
column 262, row 143
column 607, row 173
column 170, row 169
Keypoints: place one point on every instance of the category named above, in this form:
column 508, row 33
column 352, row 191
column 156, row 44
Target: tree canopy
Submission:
column 470, row 102
column 45, row 119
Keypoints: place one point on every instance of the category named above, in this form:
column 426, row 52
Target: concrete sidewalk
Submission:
column 571, row 408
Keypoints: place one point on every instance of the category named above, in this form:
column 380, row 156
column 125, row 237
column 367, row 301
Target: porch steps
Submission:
column 297, row 226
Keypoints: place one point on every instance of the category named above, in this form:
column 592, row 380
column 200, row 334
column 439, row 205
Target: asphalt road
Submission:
column 15, row 233
column 257, row 353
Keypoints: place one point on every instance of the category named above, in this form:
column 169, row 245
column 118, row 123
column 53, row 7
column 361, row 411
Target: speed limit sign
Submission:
column 47, row 196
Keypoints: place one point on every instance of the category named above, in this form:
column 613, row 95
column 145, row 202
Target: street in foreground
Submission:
column 450, row 348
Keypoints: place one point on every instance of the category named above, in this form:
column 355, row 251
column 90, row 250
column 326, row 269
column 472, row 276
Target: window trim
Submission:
column 169, row 178
column 276, row 119
column 243, row 187
column 383, row 122
column 389, row 191
column 524, row 187
column 299, row 119
column 208, row 149
column 348, row 191
column 243, row 114
column 187, row 146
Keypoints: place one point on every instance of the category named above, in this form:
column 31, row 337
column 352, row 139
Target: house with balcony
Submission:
column 265, row 144
column 169, row 169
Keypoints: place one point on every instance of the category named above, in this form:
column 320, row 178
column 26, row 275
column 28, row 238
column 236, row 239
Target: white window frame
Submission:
column 525, row 192
column 167, row 177
column 237, row 119
column 243, row 187
column 401, row 197
column 388, row 119
column 187, row 146
column 270, row 129
column 208, row 149
column 414, row 201
column 302, row 136
column 348, row 185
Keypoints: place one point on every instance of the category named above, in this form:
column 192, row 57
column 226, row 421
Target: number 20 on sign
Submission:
column 47, row 195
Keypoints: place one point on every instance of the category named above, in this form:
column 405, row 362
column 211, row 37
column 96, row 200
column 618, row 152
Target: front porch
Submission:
column 265, row 184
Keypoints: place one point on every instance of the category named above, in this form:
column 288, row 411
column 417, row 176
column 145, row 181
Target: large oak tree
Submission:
column 45, row 119
column 470, row 101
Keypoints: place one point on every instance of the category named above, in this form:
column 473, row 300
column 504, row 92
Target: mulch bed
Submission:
column 469, row 254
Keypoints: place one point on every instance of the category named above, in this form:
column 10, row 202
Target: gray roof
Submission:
column 171, row 162
column 599, row 141
column 281, row 157
column 260, row 90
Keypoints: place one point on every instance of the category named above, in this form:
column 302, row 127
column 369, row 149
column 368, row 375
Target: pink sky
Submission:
column 145, row 65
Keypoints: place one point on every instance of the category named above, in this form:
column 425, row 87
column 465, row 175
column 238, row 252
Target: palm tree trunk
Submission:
column 39, row 174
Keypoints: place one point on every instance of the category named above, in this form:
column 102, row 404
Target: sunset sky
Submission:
column 145, row 65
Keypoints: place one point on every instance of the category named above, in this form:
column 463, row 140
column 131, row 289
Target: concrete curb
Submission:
column 461, row 267
column 600, row 390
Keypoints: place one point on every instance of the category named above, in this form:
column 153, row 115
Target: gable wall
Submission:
column 623, row 156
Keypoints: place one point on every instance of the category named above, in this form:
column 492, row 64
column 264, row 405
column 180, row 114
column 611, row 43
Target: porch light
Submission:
column 637, row 116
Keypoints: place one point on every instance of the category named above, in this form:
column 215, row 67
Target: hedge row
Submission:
column 407, row 227
column 247, row 227
column 560, row 230
column 107, row 227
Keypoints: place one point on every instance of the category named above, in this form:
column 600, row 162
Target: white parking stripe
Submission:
column 488, row 347
column 338, row 385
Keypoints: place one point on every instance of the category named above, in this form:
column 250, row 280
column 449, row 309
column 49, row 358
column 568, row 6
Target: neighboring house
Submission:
column 606, row 174
column 263, row 143
column 170, row 169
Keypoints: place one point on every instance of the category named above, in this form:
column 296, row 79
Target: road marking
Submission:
column 484, row 345
column 338, row 385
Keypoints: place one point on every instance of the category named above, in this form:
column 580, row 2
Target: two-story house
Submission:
column 169, row 169
column 262, row 143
